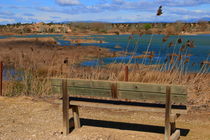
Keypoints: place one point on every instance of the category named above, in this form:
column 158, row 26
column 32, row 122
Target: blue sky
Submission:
column 27, row 11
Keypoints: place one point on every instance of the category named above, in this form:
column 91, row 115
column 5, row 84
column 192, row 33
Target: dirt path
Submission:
column 26, row 118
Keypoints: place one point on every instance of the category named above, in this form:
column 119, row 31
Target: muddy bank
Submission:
column 78, row 41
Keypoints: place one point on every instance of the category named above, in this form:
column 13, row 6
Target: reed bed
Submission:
column 35, row 66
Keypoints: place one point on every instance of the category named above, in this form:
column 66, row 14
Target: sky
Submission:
column 27, row 11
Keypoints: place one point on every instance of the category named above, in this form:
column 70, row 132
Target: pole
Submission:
column 1, row 77
column 126, row 73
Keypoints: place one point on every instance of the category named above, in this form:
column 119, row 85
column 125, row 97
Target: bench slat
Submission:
column 124, row 95
column 133, row 86
column 89, row 92
column 127, row 86
column 125, row 107
column 122, row 90
column 84, row 83
column 157, row 97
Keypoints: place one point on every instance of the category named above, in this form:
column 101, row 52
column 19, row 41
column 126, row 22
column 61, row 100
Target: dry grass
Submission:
column 43, row 58
column 40, row 58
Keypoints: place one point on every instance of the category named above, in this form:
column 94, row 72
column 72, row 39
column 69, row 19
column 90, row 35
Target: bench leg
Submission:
column 173, row 118
column 65, row 120
column 175, row 134
column 167, row 127
column 167, row 114
column 173, row 127
column 65, row 108
column 170, row 127
column 75, row 111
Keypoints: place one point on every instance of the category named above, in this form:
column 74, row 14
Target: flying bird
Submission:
column 159, row 11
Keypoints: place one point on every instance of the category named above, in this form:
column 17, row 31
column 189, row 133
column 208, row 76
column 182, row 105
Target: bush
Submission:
column 147, row 26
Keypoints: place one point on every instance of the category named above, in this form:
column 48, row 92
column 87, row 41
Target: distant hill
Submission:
column 85, row 21
column 187, row 21
column 198, row 19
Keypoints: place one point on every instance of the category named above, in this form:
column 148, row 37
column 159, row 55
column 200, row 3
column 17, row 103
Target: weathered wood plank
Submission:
column 56, row 89
column 85, row 83
column 56, row 81
column 132, row 86
column 125, row 107
column 91, row 84
column 65, row 108
column 167, row 113
column 89, row 92
column 122, row 86
column 178, row 89
column 86, row 92
column 123, row 90
column 127, row 95
column 151, row 96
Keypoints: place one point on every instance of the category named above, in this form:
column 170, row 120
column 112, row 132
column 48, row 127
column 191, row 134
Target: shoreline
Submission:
column 196, row 33
column 89, row 34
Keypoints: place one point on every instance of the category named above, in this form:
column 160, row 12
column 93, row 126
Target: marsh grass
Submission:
column 38, row 64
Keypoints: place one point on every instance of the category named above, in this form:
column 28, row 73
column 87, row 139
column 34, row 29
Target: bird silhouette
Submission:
column 159, row 11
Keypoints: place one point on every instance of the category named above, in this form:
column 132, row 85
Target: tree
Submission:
column 147, row 26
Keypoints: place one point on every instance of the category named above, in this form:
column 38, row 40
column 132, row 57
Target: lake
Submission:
column 136, row 45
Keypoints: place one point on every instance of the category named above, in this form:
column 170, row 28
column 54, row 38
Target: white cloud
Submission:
column 68, row 2
column 109, row 10
column 183, row 3
column 183, row 11
column 6, row 20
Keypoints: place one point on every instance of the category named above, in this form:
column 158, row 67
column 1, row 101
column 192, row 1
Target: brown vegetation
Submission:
column 40, row 59
column 79, row 28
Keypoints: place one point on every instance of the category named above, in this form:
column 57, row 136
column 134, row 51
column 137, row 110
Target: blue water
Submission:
column 10, row 73
column 138, row 45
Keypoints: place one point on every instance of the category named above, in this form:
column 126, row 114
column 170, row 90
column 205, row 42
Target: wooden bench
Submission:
column 163, row 97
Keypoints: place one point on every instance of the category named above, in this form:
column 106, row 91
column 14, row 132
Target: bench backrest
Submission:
column 121, row 90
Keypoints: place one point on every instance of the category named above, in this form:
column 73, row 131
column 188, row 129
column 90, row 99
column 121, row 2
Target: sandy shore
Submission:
column 95, row 33
column 24, row 118
column 196, row 33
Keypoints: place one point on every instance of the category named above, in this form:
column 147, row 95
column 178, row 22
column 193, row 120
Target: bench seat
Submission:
column 126, row 107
